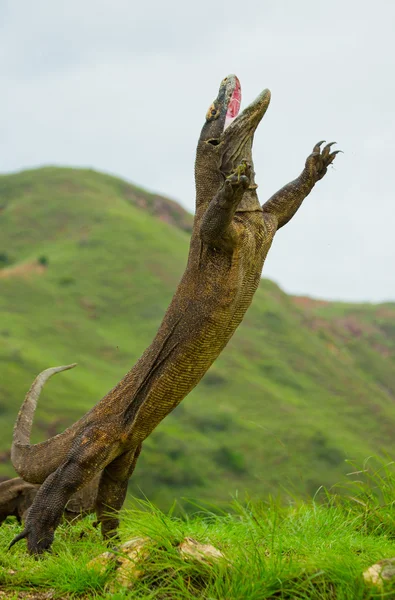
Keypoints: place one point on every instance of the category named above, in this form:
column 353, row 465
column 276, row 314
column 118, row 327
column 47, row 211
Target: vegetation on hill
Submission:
column 88, row 265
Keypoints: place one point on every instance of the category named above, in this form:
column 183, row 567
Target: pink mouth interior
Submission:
column 234, row 105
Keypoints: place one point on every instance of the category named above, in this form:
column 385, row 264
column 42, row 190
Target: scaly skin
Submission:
column 231, row 237
column 17, row 496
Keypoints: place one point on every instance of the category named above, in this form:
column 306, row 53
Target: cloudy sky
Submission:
column 123, row 86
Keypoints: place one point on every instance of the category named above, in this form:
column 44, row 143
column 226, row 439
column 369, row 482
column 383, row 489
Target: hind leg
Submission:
column 112, row 491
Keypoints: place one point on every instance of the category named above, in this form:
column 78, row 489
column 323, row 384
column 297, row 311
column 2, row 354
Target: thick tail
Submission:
column 21, row 450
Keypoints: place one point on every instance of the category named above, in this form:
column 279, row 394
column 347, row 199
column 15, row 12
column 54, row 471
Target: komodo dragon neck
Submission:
column 220, row 279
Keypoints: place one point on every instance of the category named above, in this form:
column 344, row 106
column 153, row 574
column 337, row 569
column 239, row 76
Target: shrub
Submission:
column 43, row 260
column 64, row 281
column 4, row 259
column 230, row 460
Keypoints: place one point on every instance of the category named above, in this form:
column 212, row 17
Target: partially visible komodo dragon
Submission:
column 231, row 237
column 17, row 496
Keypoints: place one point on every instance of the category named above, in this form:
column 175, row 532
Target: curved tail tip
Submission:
column 66, row 367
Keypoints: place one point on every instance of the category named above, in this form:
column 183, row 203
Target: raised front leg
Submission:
column 216, row 228
column 283, row 205
column 112, row 491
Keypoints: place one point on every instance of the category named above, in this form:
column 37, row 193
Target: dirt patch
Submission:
column 308, row 303
column 24, row 270
column 89, row 307
column 164, row 209
column 385, row 312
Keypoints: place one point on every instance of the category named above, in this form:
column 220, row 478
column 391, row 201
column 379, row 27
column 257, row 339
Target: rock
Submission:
column 191, row 549
column 128, row 560
column 135, row 552
column 102, row 562
column 124, row 561
column 382, row 571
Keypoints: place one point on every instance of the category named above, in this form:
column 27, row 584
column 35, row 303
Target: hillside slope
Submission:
column 88, row 264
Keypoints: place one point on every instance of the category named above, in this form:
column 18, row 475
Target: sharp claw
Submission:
column 332, row 155
column 325, row 152
column 318, row 145
column 20, row 536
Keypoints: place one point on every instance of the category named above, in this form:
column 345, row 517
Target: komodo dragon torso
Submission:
column 231, row 236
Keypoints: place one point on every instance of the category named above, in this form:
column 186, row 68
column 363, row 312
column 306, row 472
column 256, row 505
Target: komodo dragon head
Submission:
column 226, row 140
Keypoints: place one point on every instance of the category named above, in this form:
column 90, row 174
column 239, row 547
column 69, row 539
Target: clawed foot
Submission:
column 240, row 177
column 318, row 161
column 37, row 542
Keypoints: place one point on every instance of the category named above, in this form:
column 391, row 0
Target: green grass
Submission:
column 302, row 387
column 307, row 550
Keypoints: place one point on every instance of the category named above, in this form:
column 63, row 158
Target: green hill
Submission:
column 88, row 264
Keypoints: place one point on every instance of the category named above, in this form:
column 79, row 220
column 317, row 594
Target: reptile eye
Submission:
column 212, row 112
column 213, row 142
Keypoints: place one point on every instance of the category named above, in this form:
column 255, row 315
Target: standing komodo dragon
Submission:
column 231, row 237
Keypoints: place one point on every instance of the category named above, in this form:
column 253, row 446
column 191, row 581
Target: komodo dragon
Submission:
column 17, row 496
column 231, row 237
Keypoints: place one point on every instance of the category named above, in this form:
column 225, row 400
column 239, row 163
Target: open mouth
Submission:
column 248, row 119
column 224, row 120
column 234, row 104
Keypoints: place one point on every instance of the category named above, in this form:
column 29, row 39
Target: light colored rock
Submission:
column 191, row 549
column 135, row 552
column 102, row 562
column 124, row 561
column 382, row 571
column 128, row 560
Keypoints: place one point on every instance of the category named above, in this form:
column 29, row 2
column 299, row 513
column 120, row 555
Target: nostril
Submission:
column 213, row 142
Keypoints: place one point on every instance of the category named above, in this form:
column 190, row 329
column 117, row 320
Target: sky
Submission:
column 123, row 87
